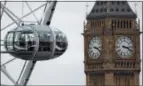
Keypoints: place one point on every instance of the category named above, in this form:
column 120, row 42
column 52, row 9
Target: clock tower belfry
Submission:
column 111, row 45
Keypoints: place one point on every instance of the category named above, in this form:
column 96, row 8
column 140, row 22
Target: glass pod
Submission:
column 35, row 42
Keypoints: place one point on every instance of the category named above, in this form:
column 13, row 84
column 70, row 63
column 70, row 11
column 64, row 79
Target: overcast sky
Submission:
column 68, row 69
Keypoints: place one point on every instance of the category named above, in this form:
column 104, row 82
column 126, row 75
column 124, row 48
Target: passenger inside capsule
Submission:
column 45, row 42
column 24, row 41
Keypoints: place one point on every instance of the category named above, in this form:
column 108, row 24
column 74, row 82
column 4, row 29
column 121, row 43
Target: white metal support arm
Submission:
column 46, row 20
column 25, row 15
column 2, row 10
column 11, row 15
column 27, row 73
column 7, row 74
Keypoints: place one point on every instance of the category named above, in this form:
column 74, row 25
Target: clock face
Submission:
column 95, row 47
column 124, row 47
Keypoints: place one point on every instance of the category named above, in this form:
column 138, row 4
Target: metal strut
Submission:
column 30, row 65
column 27, row 73
column 49, row 11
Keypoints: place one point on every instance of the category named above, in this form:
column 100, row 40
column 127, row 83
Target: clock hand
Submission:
column 97, row 48
column 127, row 48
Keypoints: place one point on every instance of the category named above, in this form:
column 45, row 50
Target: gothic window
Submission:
column 105, row 10
column 90, row 23
column 102, row 23
column 127, row 24
column 112, row 24
column 118, row 24
column 97, row 3
column 128, row 64
column 117, row 9
column 124, row 24
column 92, row 11
column 115, row 23
column 128, row 10
column 112, row 10
column 112, row 2
column 123, row 10
column 130, row 24
column 101, row 2
column 125, row 78
column 123, row 2
column 95, row 24
column 97, row 10
column 118, row 2
column 105, row 2
column 121, row 24
column 101, row 10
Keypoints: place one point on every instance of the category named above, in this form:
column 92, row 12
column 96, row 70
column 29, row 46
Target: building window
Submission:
column 124, row 24
column 112, row 10
column 117, row 9
column 115, row 23
column 123, row 10
column 105, row 10
column 101, row 10
column 123, row 2
column 130, row 24
column 105, row 2
column 97, row 3
column 92, row 11
column 118, row 2
column 127, row 23
column 112, row 23
column 128, row 10
column 101, row 2
column 97, row 10
column 118, row 24
column 112, row 2
column 121, row 23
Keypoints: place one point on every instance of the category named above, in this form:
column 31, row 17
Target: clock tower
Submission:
column 111, row 45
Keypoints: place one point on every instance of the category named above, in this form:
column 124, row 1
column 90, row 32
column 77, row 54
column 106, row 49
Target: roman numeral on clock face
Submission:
column 95, row 47
column 124, row 47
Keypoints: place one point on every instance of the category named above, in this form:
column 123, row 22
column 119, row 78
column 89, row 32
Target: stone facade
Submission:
column 109, row 68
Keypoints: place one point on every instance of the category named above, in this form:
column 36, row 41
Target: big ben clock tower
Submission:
column 111, row 45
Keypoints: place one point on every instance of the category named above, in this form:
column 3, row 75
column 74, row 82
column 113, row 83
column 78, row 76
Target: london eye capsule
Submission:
column 35, row 42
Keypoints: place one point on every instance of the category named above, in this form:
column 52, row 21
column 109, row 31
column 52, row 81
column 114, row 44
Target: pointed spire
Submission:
column 112, row 9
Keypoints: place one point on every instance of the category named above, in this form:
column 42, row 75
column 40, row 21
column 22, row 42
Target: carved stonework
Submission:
column 109, row 68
